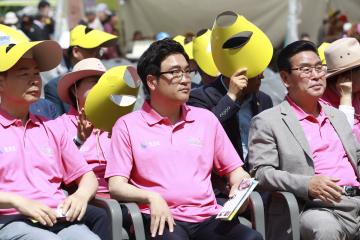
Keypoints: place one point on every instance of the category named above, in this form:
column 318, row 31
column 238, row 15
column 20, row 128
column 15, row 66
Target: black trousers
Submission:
column 98, row 221
column 210, row 229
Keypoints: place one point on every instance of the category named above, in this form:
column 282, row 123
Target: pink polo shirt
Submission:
column 329, row 156
column 36, row 158
column 94, row 150
column 175, row 161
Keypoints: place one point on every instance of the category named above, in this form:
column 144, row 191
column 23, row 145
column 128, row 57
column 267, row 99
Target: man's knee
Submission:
column 24, row 231
column 74, row 231
column 320, row 225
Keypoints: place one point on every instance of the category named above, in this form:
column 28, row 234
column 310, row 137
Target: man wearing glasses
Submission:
column 307, row 148
column 162, row 156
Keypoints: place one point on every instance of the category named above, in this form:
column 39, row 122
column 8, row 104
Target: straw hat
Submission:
column 85, row 68
column 342, row 55
column 86, row 37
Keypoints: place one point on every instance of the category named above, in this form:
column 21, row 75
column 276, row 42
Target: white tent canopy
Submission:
column 179, row 17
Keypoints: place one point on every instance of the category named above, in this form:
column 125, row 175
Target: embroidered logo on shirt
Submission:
column 152, row 143
column 7, row 149
column 195, row 141
column 84, row 148
column 47, row 151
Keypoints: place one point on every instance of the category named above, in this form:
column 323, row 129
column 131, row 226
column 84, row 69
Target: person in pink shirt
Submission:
column 93, row 143
column 306, row 147
column 343, row 79
column 162, row 156
column 37, row 156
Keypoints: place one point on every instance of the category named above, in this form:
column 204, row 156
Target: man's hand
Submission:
column 235, row 187
column 325, row 189
column 84, row 127
column 74, row 207
column 237, row 85
column 344, row 87
column 160, row 213
column 36, row 210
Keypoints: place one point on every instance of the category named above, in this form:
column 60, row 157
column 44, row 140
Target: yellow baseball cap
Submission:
column 321, row 51
column 11, row 35
column 188, row 47
column 86, row 37
column 47, row 54
column 237, row 43
column 113, row 96
column 14, row 45
column 202, row 53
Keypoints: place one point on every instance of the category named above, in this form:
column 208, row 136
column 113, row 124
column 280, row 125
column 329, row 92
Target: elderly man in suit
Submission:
column 307, row 148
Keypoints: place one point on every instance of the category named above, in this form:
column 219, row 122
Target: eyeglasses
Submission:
column 178, row 74
column 307, row 70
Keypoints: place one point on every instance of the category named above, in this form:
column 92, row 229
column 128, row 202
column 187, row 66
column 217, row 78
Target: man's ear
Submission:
column 151, row 81
column 75, row 52
column 285, row 78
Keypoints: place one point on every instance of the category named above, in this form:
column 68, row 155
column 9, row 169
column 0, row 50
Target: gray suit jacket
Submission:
column 280, row 156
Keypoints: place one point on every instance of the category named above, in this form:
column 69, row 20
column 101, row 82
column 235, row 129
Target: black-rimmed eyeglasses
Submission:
column 178, row 74
column 307, row 70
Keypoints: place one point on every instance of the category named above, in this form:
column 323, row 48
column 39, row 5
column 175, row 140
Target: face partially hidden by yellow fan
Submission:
column 112, row 97
column 237, row 43
column 202, row 53
column 188, row 47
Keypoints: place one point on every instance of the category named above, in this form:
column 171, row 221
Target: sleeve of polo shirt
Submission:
column 226, row 158
column 73, row 163
column 120, row 160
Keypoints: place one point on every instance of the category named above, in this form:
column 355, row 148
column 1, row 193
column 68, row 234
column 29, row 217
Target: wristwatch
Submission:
column 77, row 141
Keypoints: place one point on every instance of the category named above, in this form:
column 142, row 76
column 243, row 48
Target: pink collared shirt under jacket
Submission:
column 329, row 156
column 36, row 158
column 175, row 161
column 94, row 149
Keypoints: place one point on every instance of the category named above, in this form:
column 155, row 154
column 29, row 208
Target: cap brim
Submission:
column 70, row 78
column 330, row 74
column 95, row 39
column 47, row 54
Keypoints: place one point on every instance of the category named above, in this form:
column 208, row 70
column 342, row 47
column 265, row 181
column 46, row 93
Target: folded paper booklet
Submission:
column 232, row 206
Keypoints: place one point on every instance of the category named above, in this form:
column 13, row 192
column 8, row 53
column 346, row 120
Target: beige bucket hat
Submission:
column 342, row 55
column 85, row 68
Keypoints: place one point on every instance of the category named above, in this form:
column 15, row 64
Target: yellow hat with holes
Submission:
column 238, row 43
column 188, row 47
column 86, row 37
column 321, row 51
column 202, row 53
column 113, row 96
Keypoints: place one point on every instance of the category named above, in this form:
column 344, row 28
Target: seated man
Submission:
column 307, row 148
column 85, row 43
column 234, row 101
column 37, row 156
column 162, row 156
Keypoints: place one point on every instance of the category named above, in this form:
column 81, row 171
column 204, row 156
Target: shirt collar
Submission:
column 152, row 117
column 6, row 119
column 299, row 112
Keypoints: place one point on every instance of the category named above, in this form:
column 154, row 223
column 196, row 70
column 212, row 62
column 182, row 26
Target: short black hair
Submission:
column 283, row 59
column 43, row 3
column 150, row 61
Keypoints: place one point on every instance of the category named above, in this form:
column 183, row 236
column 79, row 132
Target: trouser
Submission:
column 334, row 222
column 98, row 221
column 26, row 230
column 210, row 229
